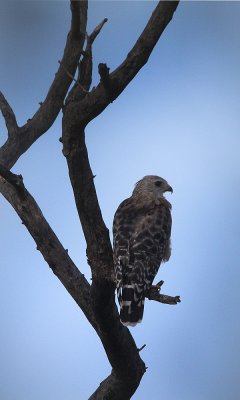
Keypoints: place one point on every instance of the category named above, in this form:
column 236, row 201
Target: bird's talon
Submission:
column 158, row 286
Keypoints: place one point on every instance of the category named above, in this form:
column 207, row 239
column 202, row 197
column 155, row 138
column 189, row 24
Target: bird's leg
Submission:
column 158, row 286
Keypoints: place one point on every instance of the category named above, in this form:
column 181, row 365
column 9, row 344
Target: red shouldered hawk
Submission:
column 141, row 241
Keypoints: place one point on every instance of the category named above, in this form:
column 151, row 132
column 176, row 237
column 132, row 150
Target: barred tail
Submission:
column 131, row 299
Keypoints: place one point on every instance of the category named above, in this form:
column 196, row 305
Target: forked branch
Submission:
column 85, row 66
column 50, row 107
column 98, row 99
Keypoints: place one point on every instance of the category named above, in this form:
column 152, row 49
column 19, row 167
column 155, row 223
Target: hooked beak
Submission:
column 169, row 189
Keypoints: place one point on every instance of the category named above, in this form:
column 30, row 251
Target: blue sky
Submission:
column 179, row 119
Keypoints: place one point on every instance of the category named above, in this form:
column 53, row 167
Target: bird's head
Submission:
column 152, row 187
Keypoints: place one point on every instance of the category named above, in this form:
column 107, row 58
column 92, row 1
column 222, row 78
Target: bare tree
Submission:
column 80, row 105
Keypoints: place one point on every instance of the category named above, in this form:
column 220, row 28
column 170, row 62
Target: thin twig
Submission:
column 96, row 31
column 142, row 347
column 72, row 77
column 85, row 66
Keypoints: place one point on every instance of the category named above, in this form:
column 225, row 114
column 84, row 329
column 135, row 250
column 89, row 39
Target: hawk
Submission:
column 141, row 241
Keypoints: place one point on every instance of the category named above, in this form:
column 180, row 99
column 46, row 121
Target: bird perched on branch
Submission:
column 141, row 241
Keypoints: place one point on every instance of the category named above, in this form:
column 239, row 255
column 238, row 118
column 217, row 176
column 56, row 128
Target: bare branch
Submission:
column 85, row 66
column 99, row 249
column 96, row 31
column 84, row 79
column 47, row 242
column 142, row 347
column 99, row 98
column 50, row 107
column 9, row 116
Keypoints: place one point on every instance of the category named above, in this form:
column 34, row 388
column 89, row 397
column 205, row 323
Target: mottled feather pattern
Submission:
column 141, row 233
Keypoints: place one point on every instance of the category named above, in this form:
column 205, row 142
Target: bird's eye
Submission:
column 158, row 183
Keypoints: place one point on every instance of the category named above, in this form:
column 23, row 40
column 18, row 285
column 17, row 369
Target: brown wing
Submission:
column 141, row 241
column 150, row 243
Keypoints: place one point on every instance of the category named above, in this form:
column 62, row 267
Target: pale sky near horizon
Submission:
column 180, row 119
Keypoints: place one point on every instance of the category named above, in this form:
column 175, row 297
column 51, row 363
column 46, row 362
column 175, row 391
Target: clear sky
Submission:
column 180, row 119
